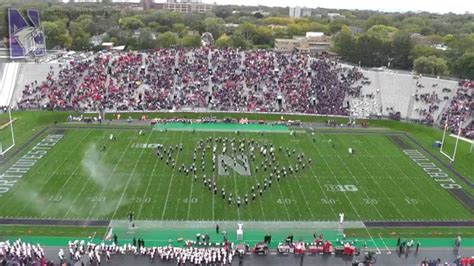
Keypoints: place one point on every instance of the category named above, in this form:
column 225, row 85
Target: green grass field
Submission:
column 78, row 180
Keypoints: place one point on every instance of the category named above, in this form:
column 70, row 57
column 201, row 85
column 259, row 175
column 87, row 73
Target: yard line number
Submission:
column 286, row 201
column 142, row 200
column 328, row 201
column 55, row 198
column 190, row 200
column 341, row 188
column 370, row 201
column 411, row 201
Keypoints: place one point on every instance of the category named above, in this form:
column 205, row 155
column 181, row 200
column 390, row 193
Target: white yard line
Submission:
column 358, row 184
column 337, row 181
column 148, row 185
column 171, row 180
column 388, row 250
column 393, row 180
column 432, row 184
column 375, row 180
column 301, row 189
column 154, row 201
column 320, row 186
column 350, row 202
column 129, row 179
column 213, row 196
column 58, row 193
column 277, row 183
column 122, row 155
column 191, row 193
column 85, row 185
column 235, row 190
column 189, row 201
column 71, row 152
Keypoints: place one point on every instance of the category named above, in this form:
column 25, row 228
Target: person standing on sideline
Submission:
column 341, row 218
column 217, row 229
column 417, row 246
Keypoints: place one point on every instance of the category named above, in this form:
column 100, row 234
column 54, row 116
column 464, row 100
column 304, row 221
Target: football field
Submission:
column 85, row 173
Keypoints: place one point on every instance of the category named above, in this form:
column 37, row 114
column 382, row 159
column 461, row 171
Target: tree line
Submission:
column 369, row 38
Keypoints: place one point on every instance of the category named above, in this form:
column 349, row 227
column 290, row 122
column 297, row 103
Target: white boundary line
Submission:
column 129, row 179
column 71, row 152
column 148, row 184
column 323, row 191
column 415, row 186
column 375, row 180
column 58, row 193
column 171, row 180
column 84, row 186
column 295, row 176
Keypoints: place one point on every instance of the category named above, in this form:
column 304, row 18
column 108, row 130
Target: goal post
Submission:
column 452, row 156
column 4, row 149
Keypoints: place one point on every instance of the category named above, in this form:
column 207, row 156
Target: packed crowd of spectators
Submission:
column 93, row 254
column 218, row 79
column 460, row 110
column 21, row 253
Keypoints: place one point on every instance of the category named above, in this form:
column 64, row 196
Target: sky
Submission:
column 434, row 6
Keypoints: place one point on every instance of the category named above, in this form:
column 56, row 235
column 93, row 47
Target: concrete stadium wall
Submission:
column 397, row 91
column 7, row 84
column 29, row 72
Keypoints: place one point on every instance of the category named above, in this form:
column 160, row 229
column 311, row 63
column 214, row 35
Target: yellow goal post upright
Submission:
column 4, row 150
column 452, row 156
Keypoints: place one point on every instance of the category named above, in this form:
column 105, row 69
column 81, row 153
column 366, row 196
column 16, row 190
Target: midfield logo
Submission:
column 218, row 163
column 25, row 35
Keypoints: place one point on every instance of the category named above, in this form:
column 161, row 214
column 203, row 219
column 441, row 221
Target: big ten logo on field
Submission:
column 240, row 164
column 26, row 36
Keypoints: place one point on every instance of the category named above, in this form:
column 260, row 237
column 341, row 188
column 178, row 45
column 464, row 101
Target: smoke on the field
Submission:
column 97, row 170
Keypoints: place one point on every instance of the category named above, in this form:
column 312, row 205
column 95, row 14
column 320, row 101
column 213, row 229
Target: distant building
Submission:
column 306, row 13
column 335, row 16
column 295, row 12
column 184, row 6
column 298, row 12
column 313, row 43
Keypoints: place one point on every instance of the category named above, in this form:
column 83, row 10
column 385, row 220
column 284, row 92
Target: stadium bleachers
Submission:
column 235, row 80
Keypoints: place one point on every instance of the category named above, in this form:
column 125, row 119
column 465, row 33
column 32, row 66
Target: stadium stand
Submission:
column 245, row 81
